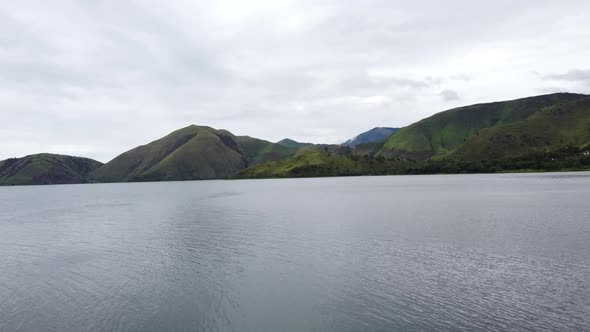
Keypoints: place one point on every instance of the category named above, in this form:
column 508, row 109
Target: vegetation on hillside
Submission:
column 551, row 128
column 287, row 142
column 550, row 132
column 190, row 153
column 444, row 132
column 256, row 150
column 326, row 164
column 46, row 168
column 316, row 164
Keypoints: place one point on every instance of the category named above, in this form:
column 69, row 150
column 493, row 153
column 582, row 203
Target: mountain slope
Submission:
column 373, row 135
column 190, row 153
column 551, row 128
column 256, row 150
column 287, row 142
column 322, row 163
column 445, row 131
column 46, row 168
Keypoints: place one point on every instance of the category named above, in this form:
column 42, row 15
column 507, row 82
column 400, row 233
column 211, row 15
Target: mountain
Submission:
column 287, row 142
column 373, row 135
column 550, row 132
column 190, row 153
column 444, row 132
column 46, row 168
column 551, row 128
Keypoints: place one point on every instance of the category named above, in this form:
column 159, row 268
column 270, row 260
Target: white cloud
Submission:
column 449, row 95
column 98, row 78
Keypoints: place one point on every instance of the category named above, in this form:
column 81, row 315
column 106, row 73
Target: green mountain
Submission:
column 287, row 142
column 550, row 132
column 374, row 135
column 551, row 128
column 46, row 169
column 194, row 152
column 444, row 132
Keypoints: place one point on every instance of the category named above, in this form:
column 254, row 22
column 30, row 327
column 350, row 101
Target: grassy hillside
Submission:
column 368, row 149
column 193, row 152
column 46, row 169
column 542, row 133
column 321, row 163
column 291, row 143
column 551, row 128
column 257, row 150
column 324, row 164
column 549, row 132
column 444, row 132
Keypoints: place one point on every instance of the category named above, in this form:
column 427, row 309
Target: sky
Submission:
column 97, row 78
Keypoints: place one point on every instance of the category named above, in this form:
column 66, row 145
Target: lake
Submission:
column 408, row 253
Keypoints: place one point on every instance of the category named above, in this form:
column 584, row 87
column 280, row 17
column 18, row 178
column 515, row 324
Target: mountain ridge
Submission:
column 546, row 132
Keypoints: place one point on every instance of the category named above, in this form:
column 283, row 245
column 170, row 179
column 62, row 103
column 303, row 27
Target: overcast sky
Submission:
column 96, row 78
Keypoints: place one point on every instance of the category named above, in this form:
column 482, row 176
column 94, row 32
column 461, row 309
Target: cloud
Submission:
column 97, row 78
column 575, row 75
column 449, row 95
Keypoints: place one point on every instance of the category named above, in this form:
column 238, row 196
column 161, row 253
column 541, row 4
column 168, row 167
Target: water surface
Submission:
column 414, row 253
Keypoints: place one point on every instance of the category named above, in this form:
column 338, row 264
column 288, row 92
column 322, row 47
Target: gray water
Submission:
column 406, row 253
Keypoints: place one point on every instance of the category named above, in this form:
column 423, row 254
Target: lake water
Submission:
column 407, row 253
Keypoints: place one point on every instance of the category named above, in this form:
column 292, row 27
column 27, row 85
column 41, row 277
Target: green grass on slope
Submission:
column 445, row 131
column 287, row 142
column 551, row 128
column 569, row 158
column 193, row 152
column 257, row 150
column 135, row 162
column 368, row 149
column 203, row 157
column 316, row 164
column 325, row 165
column 46, row 169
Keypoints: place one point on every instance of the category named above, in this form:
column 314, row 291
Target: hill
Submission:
column 190, row 153
column 256, row 150
column 444, row 132
column 46, row 168
column 287, row 142
column 323, row 163
column 550, row 132
column 374, row 135
column 551, row 128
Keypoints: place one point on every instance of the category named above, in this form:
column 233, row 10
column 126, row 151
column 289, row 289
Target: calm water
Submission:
column 415, row 253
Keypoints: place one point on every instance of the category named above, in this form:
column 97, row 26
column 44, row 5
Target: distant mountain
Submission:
column 373, row 135
column 446, row 131
column 46, row 168
column 190, row 153
column 291, row 143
